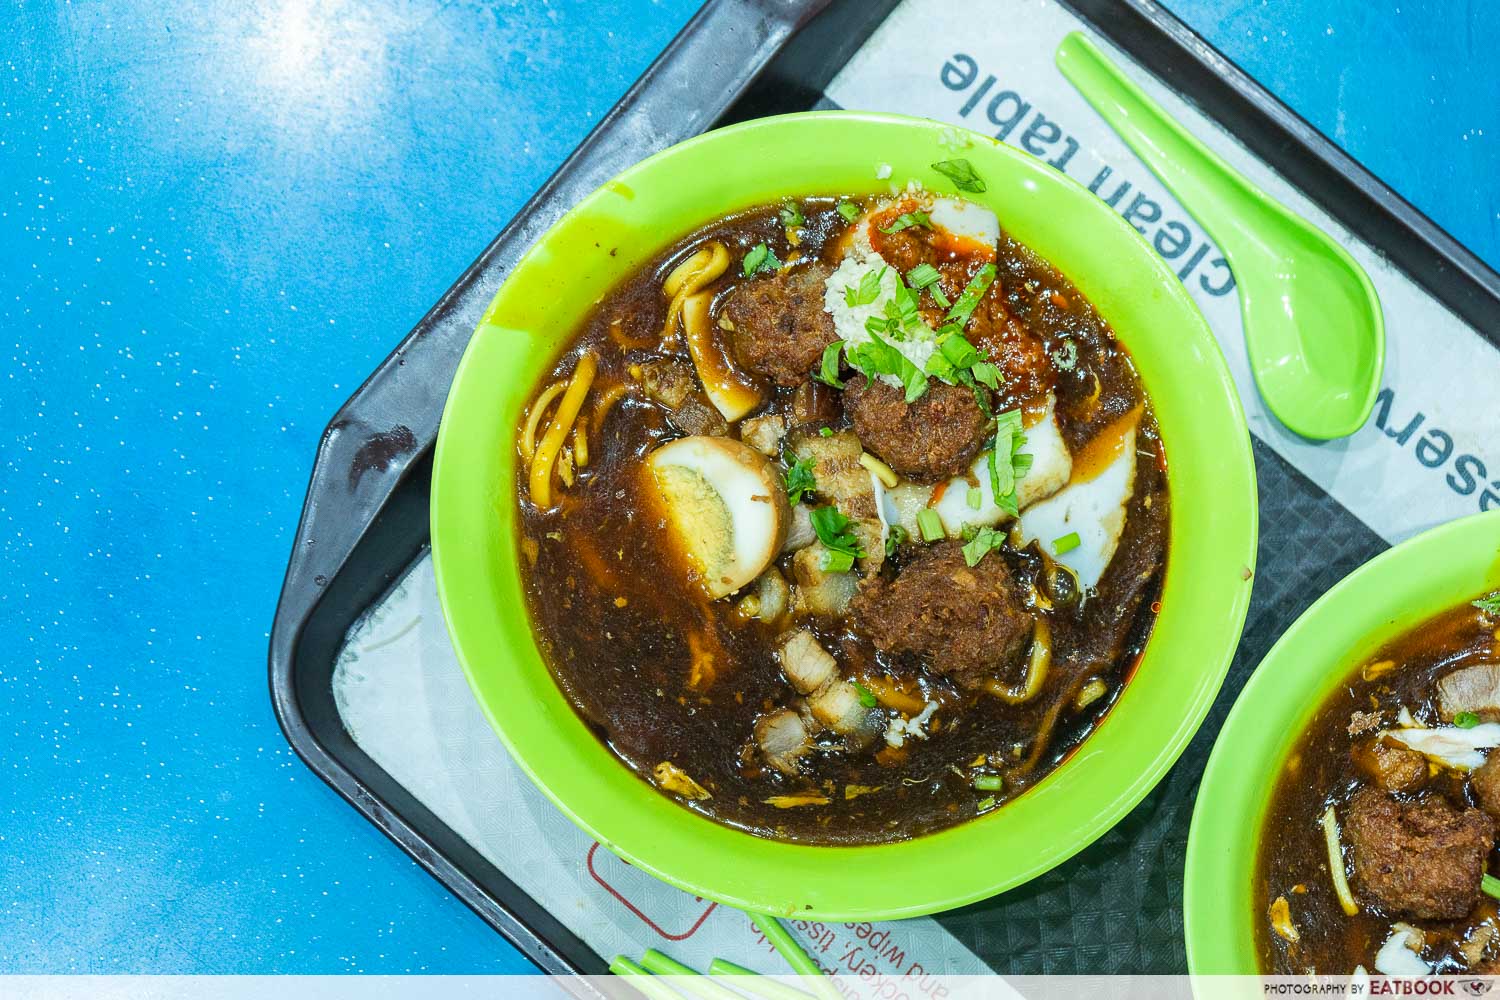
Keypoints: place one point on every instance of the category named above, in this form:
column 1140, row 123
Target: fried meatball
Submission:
column 1423, row 859
column 778, row 328
column 1485, row 781
column 934, row 438
column 963, row 621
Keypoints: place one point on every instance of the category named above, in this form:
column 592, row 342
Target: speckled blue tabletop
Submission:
column 215, row 219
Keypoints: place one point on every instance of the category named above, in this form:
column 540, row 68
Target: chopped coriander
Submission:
column 985, row 541
column 986, row 374
column 915, row 381
column 876, row 357
column 989, row 783
column 1490, row 605
column 848, row 210
column 961, row 172
column 894, row 539
column 972, row 293
column 828, row 371
column 791, row 215
column 930, row 524
column 986, row 803
column 922, row 275
column 941, row 367
column 906, row 220
column 975, row 498
column 1466, row 720
column 866, row 696
column 799, row 480
column 868, row 291
column 826, row 431
column 832, row 529
column 760, row 258
column 1067, row 543
column 1065, row 358
column 1006, row 464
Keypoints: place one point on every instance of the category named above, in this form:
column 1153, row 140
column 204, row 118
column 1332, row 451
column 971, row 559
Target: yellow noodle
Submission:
column 627, row 342
column 528, row 436
column 1330, row 824
column 1036, row 669
column 551, row 444
column 687, row 278
column 605, row 403
column 696, row 262
column 581, row 442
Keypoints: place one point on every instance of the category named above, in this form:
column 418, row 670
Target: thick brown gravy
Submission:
column 1293, row 861
column 623, row 627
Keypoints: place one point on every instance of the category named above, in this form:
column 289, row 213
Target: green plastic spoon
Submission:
column 1314, row 328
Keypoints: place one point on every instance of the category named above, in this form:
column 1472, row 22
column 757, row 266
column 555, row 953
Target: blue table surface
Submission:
column 215, row 219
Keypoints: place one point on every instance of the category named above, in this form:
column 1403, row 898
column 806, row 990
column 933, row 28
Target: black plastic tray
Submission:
column 1114, row 908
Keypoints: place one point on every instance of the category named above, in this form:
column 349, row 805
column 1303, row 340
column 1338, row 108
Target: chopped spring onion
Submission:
column 961, row 172
column 799, row 480
column 968, row 301
column 1490, row 605
column 1466, row 720
column 906, row 220
column 930, row 524
column 975, row 498
column 848, row 210
column 922, row 275
column 837, row 562
column 866, row 696
column 828, row 371
column 1336, row 863
column 986, row 803
column 760, row 258
column 1067, row 543
column 989, row 783
column 825, row 432
column 791, row 215
column 1490, row 885
column 959, row 351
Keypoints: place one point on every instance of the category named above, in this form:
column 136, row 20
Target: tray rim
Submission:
column 1461, row 282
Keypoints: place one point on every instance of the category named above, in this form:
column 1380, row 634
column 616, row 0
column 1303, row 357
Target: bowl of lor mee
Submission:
column 1347, row 820
column 843, row 515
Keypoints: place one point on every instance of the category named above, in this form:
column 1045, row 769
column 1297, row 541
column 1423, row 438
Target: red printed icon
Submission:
column 639, row 893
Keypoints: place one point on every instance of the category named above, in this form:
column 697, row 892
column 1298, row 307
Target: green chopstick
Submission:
column 687, row 979
column 642, row 980
column 801, row 962
column 782, row 940
column 755, row 983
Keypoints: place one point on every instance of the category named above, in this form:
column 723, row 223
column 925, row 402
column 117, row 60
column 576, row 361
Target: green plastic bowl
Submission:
column 625, row 223
column 1431, row 573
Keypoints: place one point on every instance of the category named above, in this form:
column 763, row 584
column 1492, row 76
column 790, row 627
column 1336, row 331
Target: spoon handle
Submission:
column 1222, row 200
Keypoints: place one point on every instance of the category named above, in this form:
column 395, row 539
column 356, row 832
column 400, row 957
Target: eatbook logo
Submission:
column 1477, row 987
